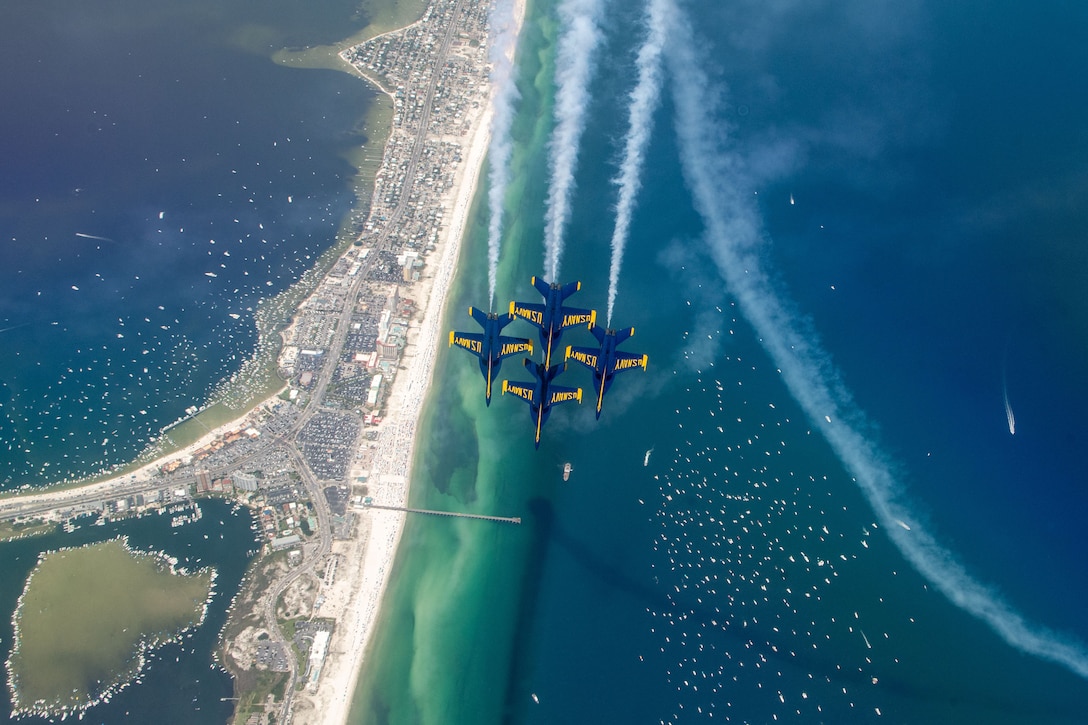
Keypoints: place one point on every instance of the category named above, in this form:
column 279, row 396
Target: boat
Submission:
column 567, row 468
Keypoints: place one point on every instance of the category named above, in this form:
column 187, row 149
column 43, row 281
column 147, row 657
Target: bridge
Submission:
column 458, row 514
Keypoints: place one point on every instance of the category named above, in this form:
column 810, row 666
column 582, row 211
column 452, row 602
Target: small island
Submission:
column 73, row 651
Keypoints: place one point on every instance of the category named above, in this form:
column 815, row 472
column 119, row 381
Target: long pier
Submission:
column 481, row 517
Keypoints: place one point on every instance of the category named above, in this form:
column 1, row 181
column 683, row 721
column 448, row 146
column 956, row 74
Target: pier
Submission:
column 482, row 517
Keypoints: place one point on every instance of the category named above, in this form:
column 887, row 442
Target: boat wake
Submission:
column 93, row 236
column 1008, row 408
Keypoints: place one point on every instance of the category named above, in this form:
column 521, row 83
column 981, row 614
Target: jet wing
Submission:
column 521, row 390
column 585, row 355
column 574, row 316
column 529, row 311
column 470, row 341
column 560, row 394
column 514, row 345
column 629, row 361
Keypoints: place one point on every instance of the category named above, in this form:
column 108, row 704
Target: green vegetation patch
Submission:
column 9, row 531
column 87, row 618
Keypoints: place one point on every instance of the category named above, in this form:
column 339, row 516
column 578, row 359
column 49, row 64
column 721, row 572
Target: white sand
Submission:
column 355, row 595
column 390, row 472
column 116, row 485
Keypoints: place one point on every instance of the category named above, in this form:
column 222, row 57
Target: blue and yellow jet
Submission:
column 541, row 395
column 606, row 360
column 551, row 317
column 491, row 347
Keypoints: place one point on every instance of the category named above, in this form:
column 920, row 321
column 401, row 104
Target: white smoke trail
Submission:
column 733, row 229
column 504, row 94
column 579, row 36
column 644, row 98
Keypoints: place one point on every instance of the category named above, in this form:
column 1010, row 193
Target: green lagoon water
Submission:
column 179, row 140
column 73, row 647
column 180, row 683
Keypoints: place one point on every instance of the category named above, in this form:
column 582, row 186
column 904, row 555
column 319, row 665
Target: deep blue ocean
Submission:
column 865, row 211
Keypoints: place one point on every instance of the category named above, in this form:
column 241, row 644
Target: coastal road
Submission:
column 336, row 347
column 382, row 242
column 90, row 496
column 93, row 497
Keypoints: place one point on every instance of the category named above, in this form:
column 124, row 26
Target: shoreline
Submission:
column 162, row 449
column 144, row 474
column 145, row 463
column 356, row 603
column 368, row 556
column 395, row 457
column 392, row 469
column 390, row 474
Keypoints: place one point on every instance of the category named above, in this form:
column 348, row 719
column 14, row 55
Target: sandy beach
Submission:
column 380, row 531
column 354, row 595
column 355, row 600
column 115, row 485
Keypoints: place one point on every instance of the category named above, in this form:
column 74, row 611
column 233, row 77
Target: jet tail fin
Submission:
column 537, row 369
column 569, row 289
column 623, row 334
column 541, row 286
column 479, row 315
column 551, row 372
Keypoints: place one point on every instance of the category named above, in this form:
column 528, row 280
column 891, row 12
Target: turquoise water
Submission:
column 897, row 187
column 181, row 683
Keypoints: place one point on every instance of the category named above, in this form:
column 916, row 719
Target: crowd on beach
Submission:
column 461, row 125
column 392, row 455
